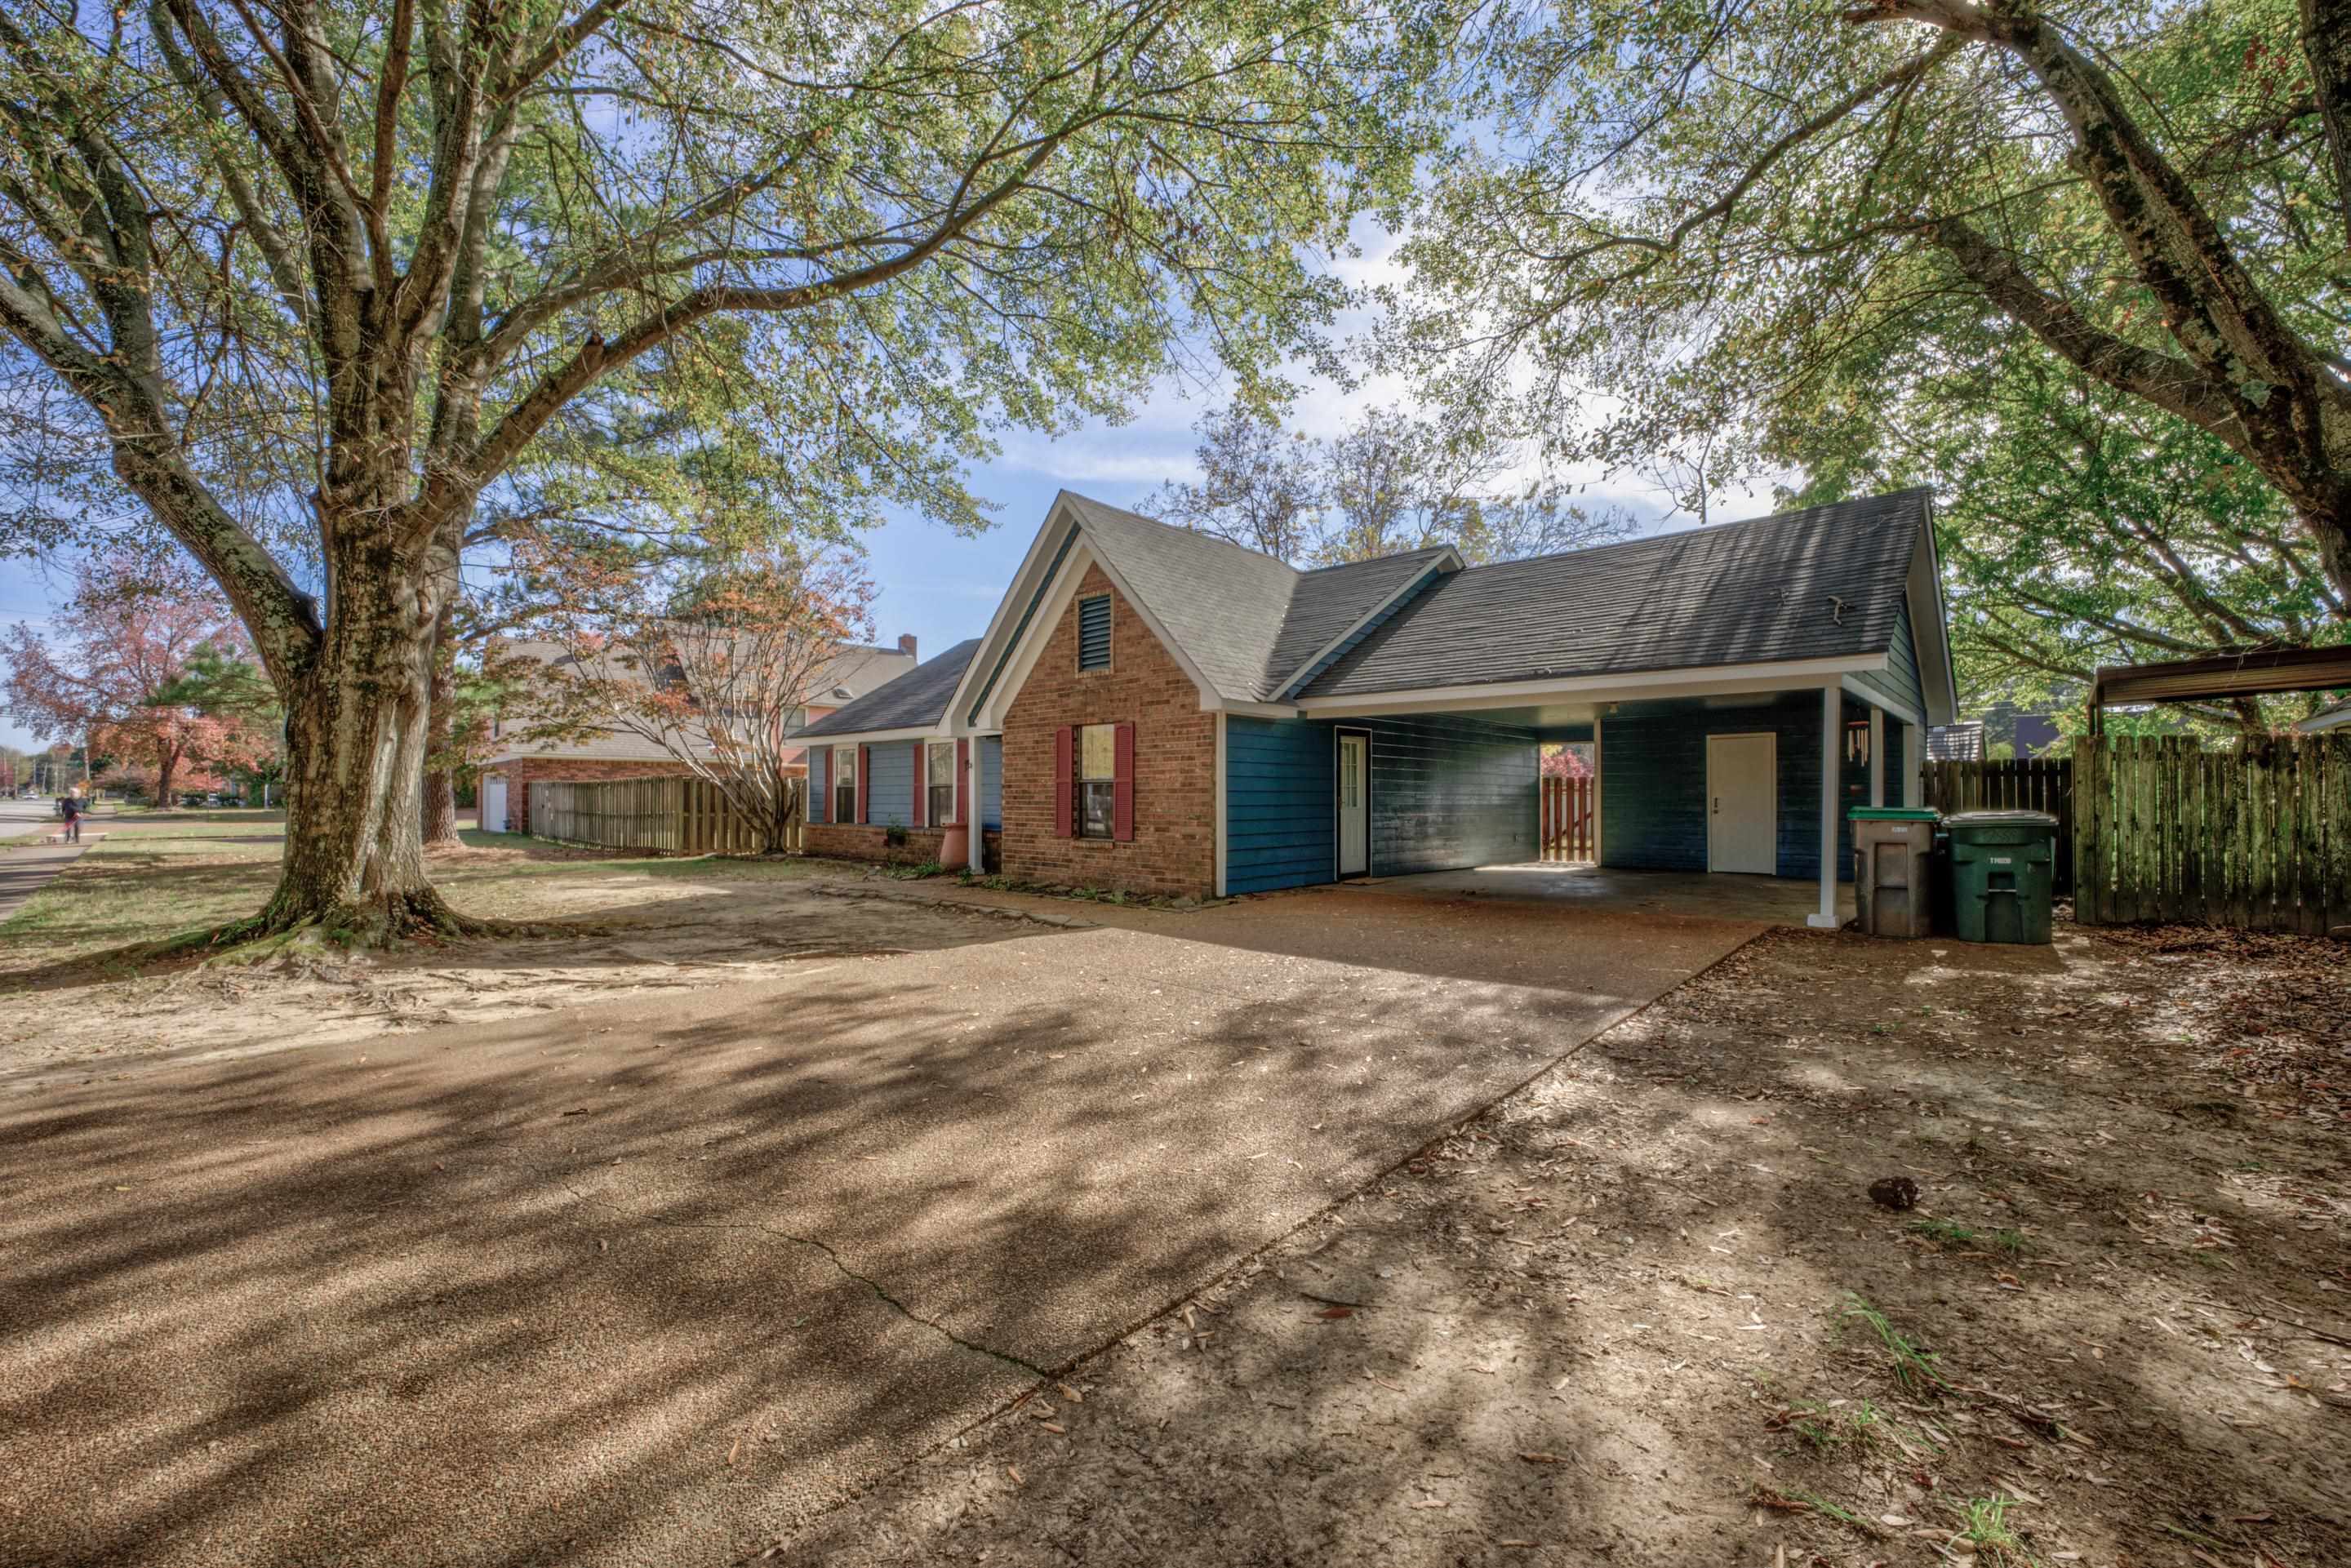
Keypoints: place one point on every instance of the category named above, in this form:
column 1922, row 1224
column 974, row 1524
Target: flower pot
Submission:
column 955, row 846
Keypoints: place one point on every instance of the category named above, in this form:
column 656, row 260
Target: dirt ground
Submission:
column 1645, row 1311
column 74, row 1006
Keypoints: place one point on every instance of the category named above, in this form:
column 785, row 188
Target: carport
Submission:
column 1736, row 780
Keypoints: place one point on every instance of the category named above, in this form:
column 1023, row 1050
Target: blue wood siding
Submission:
column 1278, row 803
column 1900, row 680
column 990, row 765
column 1653, row 781
column 890, row 784
column 1446, row 793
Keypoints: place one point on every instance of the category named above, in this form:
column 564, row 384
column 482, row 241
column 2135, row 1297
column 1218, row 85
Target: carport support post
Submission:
column 1914, row 765
column 1832, row 732
column 1876, row 756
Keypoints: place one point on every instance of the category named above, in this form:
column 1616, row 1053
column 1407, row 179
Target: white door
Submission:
column 1354, row 805
column 494, row 803
column 1742, row 818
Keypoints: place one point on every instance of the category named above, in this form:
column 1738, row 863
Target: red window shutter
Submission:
column 922, row 762
column 1122, row 790
column 1065, row 768
column 864, row 783
column 820, row 774
column 963, row 774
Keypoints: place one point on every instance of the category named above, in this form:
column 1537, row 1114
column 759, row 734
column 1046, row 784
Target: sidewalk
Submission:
column 24, row 872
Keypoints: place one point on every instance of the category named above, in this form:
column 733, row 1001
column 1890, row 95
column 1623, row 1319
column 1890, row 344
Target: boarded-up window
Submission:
column 939, row 774
column 1093, row 633
column 844, row 783
column 1097, row 780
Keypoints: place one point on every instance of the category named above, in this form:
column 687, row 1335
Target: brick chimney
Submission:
column 906, row 644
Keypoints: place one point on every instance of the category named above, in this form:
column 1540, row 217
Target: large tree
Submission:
column 325, row 270
column 1681, row 217
column 2079, row 525
column 1388, row 483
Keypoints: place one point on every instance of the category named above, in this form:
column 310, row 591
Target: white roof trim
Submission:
column 874, row 736
column 1019, row 659
column 1697, row 681
column 1930, row 641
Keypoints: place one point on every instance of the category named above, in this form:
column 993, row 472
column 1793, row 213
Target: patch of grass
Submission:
column 1983, row 1524
column 1828, row 1427
column 1823, row 1505
column 1952, row 1233
column 1914, row 1369
column 914, row 872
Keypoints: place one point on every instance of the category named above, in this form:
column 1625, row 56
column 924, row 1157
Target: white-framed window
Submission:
column 844, row 783
column 939, row 782
column 1093, row 632
column 1097, row 780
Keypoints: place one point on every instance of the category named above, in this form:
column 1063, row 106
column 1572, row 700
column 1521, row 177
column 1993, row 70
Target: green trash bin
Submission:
column 1893, row 877
column 2003, row 875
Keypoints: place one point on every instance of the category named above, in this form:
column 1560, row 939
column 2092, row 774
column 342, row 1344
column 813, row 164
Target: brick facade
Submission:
column 521, row 774
column 1174, row 851
column 866, row 841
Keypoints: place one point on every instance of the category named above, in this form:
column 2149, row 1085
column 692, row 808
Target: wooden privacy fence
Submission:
column 1566, row 819
column 669, row 816
column 2257, row 838
column 2020, row 784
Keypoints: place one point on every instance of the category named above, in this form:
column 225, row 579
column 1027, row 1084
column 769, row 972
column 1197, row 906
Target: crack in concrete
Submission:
column 881, row 1292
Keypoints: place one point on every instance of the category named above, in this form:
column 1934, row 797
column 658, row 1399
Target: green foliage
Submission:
column 1914, row 1369
column 1901, row 243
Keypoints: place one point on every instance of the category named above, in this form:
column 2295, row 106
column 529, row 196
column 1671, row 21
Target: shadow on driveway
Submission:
column 650, row 1282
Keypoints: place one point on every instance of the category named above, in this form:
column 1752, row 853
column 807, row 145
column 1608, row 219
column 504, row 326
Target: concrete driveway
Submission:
column 652, row 1282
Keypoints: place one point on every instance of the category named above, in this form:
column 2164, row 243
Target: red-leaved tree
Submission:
column 126, row 635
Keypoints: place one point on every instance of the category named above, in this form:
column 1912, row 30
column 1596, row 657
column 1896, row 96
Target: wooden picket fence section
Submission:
column 2018, row 784
column 1566, row 819
column 2256, row 838
column 655, row 816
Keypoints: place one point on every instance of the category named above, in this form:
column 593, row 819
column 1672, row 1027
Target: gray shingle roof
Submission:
column 1327, row 602
column 915, row 700
column 1222, row 602
column 1739, row 594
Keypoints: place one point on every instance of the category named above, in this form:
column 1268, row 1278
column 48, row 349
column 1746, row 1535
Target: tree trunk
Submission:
column 441, row 734
column 356, row 729
column 167, row 762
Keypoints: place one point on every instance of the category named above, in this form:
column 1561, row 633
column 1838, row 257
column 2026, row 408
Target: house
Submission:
column 518, row 762
column 2334, row 717
column 1162, row 712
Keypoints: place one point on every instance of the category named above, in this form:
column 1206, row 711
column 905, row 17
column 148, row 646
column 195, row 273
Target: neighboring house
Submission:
column 2335, row 715
column 517, row 763
column 1961, row 742
column 1159, row 711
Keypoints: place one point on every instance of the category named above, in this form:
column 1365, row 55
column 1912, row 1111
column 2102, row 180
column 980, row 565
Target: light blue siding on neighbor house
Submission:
column 1446, row 793
column 1652, row 804
column 1900, row 680
column 890, row 784
column 990, row 765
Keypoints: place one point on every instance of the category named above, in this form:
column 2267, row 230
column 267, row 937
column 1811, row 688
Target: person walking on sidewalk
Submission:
column 71, row 807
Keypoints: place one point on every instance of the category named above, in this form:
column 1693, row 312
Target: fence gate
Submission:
column 2022, row 784
column 2258, row 838
column 1566, row 819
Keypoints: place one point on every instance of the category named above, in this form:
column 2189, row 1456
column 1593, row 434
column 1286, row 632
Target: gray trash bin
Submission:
column 1892, row 868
